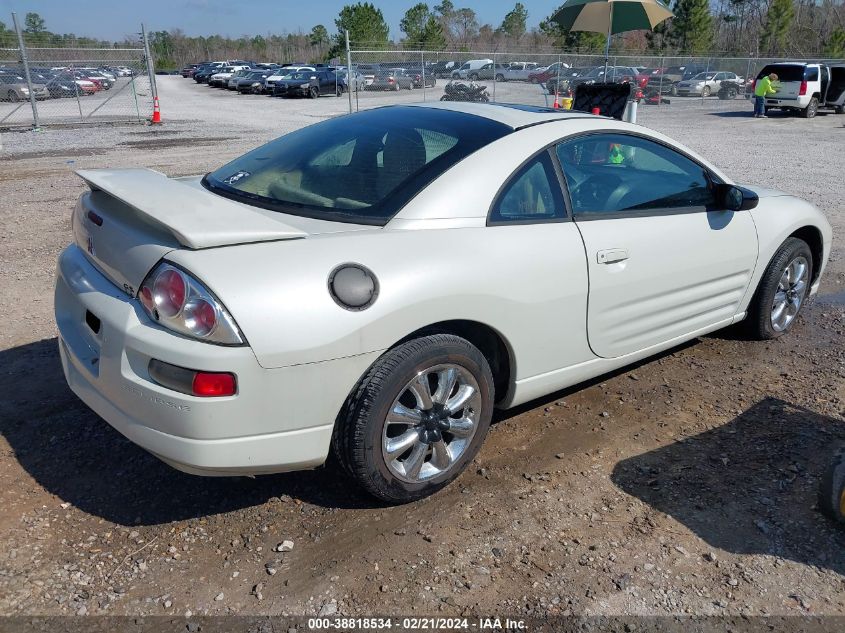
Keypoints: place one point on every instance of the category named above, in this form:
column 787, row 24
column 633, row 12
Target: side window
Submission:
column 811, row 74
column 531, row 195
column 619, row 174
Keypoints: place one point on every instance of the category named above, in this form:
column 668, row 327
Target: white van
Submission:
column 474, row 64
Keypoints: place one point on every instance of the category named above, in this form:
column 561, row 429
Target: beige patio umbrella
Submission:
column 611, row 17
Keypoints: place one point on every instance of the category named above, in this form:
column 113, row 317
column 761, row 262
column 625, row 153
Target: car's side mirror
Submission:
column 735, row 198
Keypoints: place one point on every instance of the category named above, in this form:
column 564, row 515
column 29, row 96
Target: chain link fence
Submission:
column 539, row 79
column 72, row 85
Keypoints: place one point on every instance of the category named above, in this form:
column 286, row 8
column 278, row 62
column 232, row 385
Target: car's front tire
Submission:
column 417, row 418
column 782, row 291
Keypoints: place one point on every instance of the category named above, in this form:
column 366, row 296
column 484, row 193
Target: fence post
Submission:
column 25, row 62
column 422, row 71
column 662, row 76
column 349, row 74
column 149, row 60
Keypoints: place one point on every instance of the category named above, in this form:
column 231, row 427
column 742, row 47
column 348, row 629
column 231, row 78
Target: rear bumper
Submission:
column 787, row 103
column 280, row 419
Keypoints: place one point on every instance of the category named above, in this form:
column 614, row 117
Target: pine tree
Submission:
column 778, row 22
column 691, row 30
column 834, row 48
column 514, row 22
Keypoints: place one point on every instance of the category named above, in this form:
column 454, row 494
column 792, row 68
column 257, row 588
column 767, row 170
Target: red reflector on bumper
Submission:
column 208, row 384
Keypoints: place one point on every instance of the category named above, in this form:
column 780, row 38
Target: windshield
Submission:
column 358, row 168
column 300, row 75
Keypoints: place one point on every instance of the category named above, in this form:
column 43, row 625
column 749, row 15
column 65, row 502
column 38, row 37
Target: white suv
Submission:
column 801, row 86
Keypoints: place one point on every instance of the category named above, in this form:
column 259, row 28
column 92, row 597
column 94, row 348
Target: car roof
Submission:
column 513, row 115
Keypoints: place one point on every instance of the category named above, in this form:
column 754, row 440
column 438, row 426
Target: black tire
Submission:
column 674, row 90
column 13, row 96
column 832, row 490
column 705, row 91
column 473, row 77
column 812, row 108
column 313, row 92
column 397, row 87
column 500, row 77
column 338, row 92
column 839, row 110
column 445, row 98
column 758, row 322
column 357, row 439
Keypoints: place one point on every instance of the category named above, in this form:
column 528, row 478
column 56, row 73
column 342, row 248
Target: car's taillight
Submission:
column 803, row 90
column 176, row 300
column 754, row 85
column 205, row 384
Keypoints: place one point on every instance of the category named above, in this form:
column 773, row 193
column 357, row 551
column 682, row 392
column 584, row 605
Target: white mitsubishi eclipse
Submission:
column 375, row 284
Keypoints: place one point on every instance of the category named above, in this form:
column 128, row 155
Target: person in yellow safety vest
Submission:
column 763, row 89
column 616, row 157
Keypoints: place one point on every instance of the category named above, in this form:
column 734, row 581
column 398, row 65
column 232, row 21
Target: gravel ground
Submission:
column 685, row 485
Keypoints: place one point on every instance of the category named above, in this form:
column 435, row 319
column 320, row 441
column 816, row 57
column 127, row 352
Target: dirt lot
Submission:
column 685, row 485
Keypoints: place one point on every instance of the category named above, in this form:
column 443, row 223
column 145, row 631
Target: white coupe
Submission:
column 375, row 284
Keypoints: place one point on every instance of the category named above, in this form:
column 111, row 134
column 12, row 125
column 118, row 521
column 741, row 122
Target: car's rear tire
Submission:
column 705, row 91
column 674, row 90
column 500, row 77
column 782, row 291
column 338, row 91
column 13, row 96
column 839, row 110
column 832, row 491
column 812, row 108
column 473, row 77
column 416, row 419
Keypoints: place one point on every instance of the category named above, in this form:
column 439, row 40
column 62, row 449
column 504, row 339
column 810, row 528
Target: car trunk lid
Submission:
column 131, row 218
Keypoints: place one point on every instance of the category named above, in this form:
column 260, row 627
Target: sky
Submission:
column 113, row 19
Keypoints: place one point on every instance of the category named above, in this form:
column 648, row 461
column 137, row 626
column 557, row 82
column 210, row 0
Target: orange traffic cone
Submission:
column 556, row 105
column 156, row 111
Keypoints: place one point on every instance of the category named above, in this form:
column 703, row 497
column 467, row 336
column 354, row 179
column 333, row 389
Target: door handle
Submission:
column 611, row 255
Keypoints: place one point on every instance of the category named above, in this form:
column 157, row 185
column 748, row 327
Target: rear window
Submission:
column 785, row 72
column 359, row 168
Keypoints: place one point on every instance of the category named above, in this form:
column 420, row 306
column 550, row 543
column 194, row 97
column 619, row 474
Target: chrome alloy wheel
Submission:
column 790, row 293
column 431, row 423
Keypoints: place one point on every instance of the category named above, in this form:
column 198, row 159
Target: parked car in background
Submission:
column 543, row 74
column 283, row 72
column 378, row 320
column 253, row 82
column 801, row 87
column 232, row 84
column 309, row 83
column 354, row 81
column 615, row 74
column 486, row 72
column 188, row 71
column 369, row 71
column 443, row 69
column 393, row 79
column 221, row 79
column 463, row 71
column 102, row 82
column 58, row 84
column 560, row 83
column 518, row 71
column 203, row 73
column 13, row 87
column 420, row 78
column 706, row 83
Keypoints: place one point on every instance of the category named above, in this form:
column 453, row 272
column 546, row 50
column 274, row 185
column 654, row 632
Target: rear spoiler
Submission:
column 195, row 217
